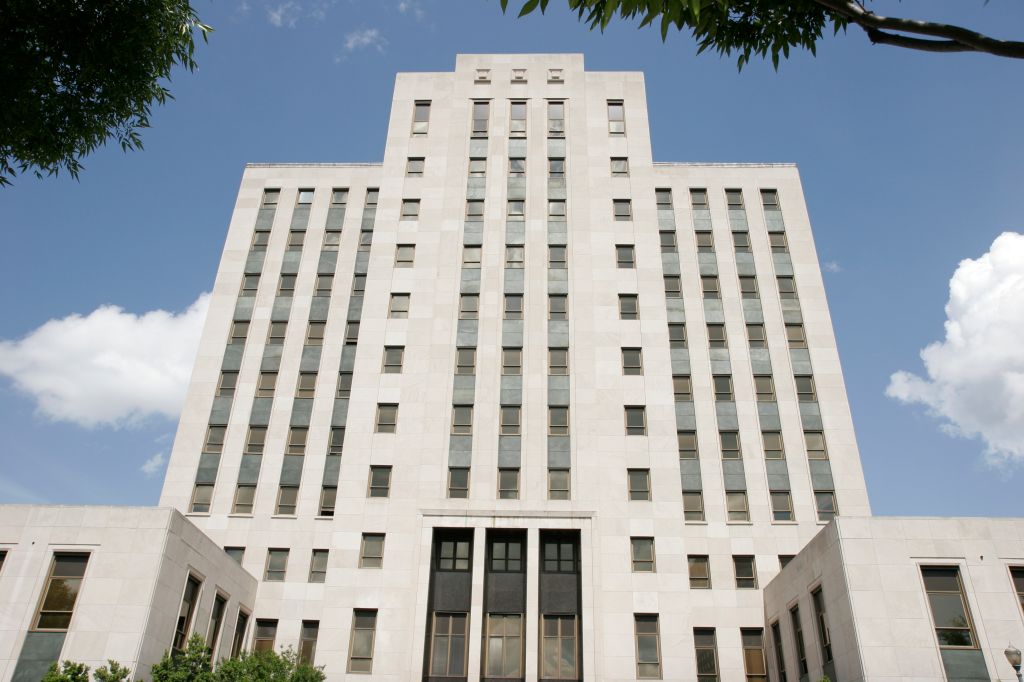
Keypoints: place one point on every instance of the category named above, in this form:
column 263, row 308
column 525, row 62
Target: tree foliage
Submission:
column 69, row 671
column 770, row 28
column 193, row 665
column 77, row 73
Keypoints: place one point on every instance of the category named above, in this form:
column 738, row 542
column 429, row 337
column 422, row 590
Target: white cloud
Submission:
column 154, row 465
column 285, row 14
column 369, row 37
column 975, row 381
column 832, row 266
column 107, row 368
column 411, row 7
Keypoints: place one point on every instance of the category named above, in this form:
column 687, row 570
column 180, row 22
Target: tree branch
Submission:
column 955, row 38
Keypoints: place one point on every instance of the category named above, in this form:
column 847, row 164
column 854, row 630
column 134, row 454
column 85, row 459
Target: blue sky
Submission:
column 911, row 163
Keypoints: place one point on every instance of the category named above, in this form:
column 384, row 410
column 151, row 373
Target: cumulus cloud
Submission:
column 154, row 465
column 368, row 37
column 107, row 368
column 975, row 376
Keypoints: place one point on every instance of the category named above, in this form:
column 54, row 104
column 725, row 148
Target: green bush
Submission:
column 69, row 671
column 192, row 664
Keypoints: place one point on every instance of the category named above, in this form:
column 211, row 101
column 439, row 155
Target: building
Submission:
column 516, row 403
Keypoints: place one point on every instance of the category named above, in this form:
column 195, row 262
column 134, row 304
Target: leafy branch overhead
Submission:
column 78, row 73
column 773, row 27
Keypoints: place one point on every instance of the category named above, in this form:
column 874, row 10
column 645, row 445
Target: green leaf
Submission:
column 528, row 7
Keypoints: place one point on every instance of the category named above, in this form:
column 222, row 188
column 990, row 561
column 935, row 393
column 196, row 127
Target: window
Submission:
column 798, row 635
column 558, row 484
column 297, row 440
column 245, row 495
column 734, row 199
column 770, row 199
column 360, row 650
column 623, row 209
column 410, row 209
column 748, row 287
column 707, row 654
column 277, row 565
column 784, row 560
column 380, row 481
column 805, row 389
column 753, row 654
column 238, row 638
column 736, row 506
column 673, row 286
column 286, row 285
column 557, row 257
column 358, row 284
column 777, row 240
column 782, row 506
column 458, row 482
column 705, row 242
column 420, row 118
column 323, row 284
column 336, row 444
column 958, row 635
column 625, row 256
column 462, row 420
column 510, row 420
column 700, row 571
column 255, row 440
column 387, row 418
column 716, row 336
column 795, row 336
column 332, row 239
column 287, row 498
column 772, row 442
column 558, row 361
column 307, row 641
column 517, row 119
column 815, row 443
column 620, row 166
column 1016, row 573
column 616, row 117
column 642, row 554
column 558, row 305
column 328, row 499
column 404, row 255
column 516, row 167
column 504, row 646
column 62, row 587
column 648, row 646
column 825, row 502
column 629, row 307
column 511, row 361
column 306, row 386
column 558, row 553
column 214, row 438
column 709, row 287
column 699, row 199
column 682, row 388
column 266, row 384
column 371, row 551
column 556, row 167
column 558, row 647
column 465, row 361
column 469, row 306
column 723, row 387
column 514, row 256
column 787, row 287
column 730, row 442
column 393, row 356
column 265, row 634
column 471, row 256
column 399, row 306
column 780, row 658
column 481, row 113
column 513, row 306
column 275, row 335
column 202, row 495
column 508, row 484
column 506, row 556
column 475, row 210
column 746, row 573
column 764, row 388
column 448, row 645
column 236, row 553
column 687, row 444
column 676, row 335
column 632, row 361
column 318, row 566
column 477, row 168
column 755, row 336
column 295, row 240
column 344, row 384
column 663, row 199
column 365, row 240
column 220, row 604
column 249, row 285
column 741, row 242
column 516, row 209
column 636, row 420
column 239, row 330
column 556, row 119
column 638, row 482
column 414, row 166
column 667, row 239
column 558, row 421
column 270, row 197
column 314, row 334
